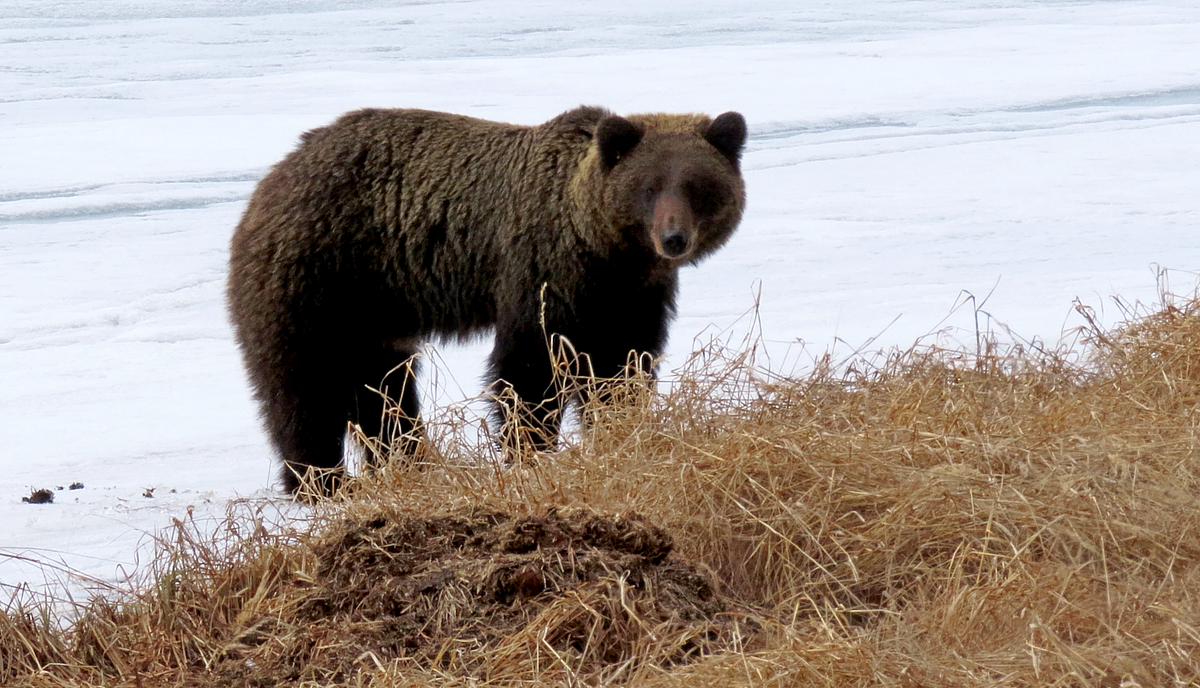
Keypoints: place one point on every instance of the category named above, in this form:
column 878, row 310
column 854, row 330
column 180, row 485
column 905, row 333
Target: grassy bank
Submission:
column 926, row 517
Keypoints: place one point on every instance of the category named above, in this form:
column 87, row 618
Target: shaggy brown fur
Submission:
column 390, row 226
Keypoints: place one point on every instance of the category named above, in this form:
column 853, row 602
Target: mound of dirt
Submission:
column 487, row 595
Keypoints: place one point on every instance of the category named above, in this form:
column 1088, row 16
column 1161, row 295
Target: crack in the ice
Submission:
column 96, row 200
column 116, row 209
column 1185, row 95
column 983, row 131
column 10, row 196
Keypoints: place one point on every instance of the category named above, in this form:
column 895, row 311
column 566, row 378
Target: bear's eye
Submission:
column 647, row 194
column 706, row 196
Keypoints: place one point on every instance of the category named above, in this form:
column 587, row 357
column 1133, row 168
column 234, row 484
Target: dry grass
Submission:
column 927, row 517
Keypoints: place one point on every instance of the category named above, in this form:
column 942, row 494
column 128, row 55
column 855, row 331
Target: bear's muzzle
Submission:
column 673, row 227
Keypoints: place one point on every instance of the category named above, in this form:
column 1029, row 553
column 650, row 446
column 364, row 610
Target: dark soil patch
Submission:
column 480, row 593
column 39, row 497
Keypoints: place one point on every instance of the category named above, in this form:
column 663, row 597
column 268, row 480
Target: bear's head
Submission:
column 672, row 182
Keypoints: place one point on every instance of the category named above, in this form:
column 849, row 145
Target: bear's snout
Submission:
column 672, row 226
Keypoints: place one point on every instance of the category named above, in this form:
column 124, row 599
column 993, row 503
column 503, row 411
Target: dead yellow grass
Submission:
column 927, row 517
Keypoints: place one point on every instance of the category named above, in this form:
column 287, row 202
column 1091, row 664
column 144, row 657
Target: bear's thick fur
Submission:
column 391, row 226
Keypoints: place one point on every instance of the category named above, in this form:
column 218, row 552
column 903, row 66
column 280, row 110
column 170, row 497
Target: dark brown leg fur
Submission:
column 316, row 396
column 392, row 372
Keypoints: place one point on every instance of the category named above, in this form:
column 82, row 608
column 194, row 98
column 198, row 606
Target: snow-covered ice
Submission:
column 902, row 155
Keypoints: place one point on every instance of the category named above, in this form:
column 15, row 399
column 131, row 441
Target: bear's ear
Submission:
column 615, row 137
column 727, row 133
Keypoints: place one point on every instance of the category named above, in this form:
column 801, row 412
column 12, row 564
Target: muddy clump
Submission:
column 486, row 595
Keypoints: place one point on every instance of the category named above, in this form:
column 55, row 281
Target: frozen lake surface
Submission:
column 903, row 157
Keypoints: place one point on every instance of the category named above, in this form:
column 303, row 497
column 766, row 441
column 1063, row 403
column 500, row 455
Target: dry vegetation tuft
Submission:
column 928, row 517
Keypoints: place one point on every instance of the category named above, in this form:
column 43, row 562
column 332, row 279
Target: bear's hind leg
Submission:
column 391, row 428
column 526, row 403
column 307, row 422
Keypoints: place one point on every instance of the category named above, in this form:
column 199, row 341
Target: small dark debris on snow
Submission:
column 42, row 496
column 149, row 493
column 75, row 486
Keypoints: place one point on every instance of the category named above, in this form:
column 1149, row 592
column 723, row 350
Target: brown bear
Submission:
column 391, row 226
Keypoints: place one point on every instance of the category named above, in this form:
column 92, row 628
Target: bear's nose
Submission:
column 674, row 244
